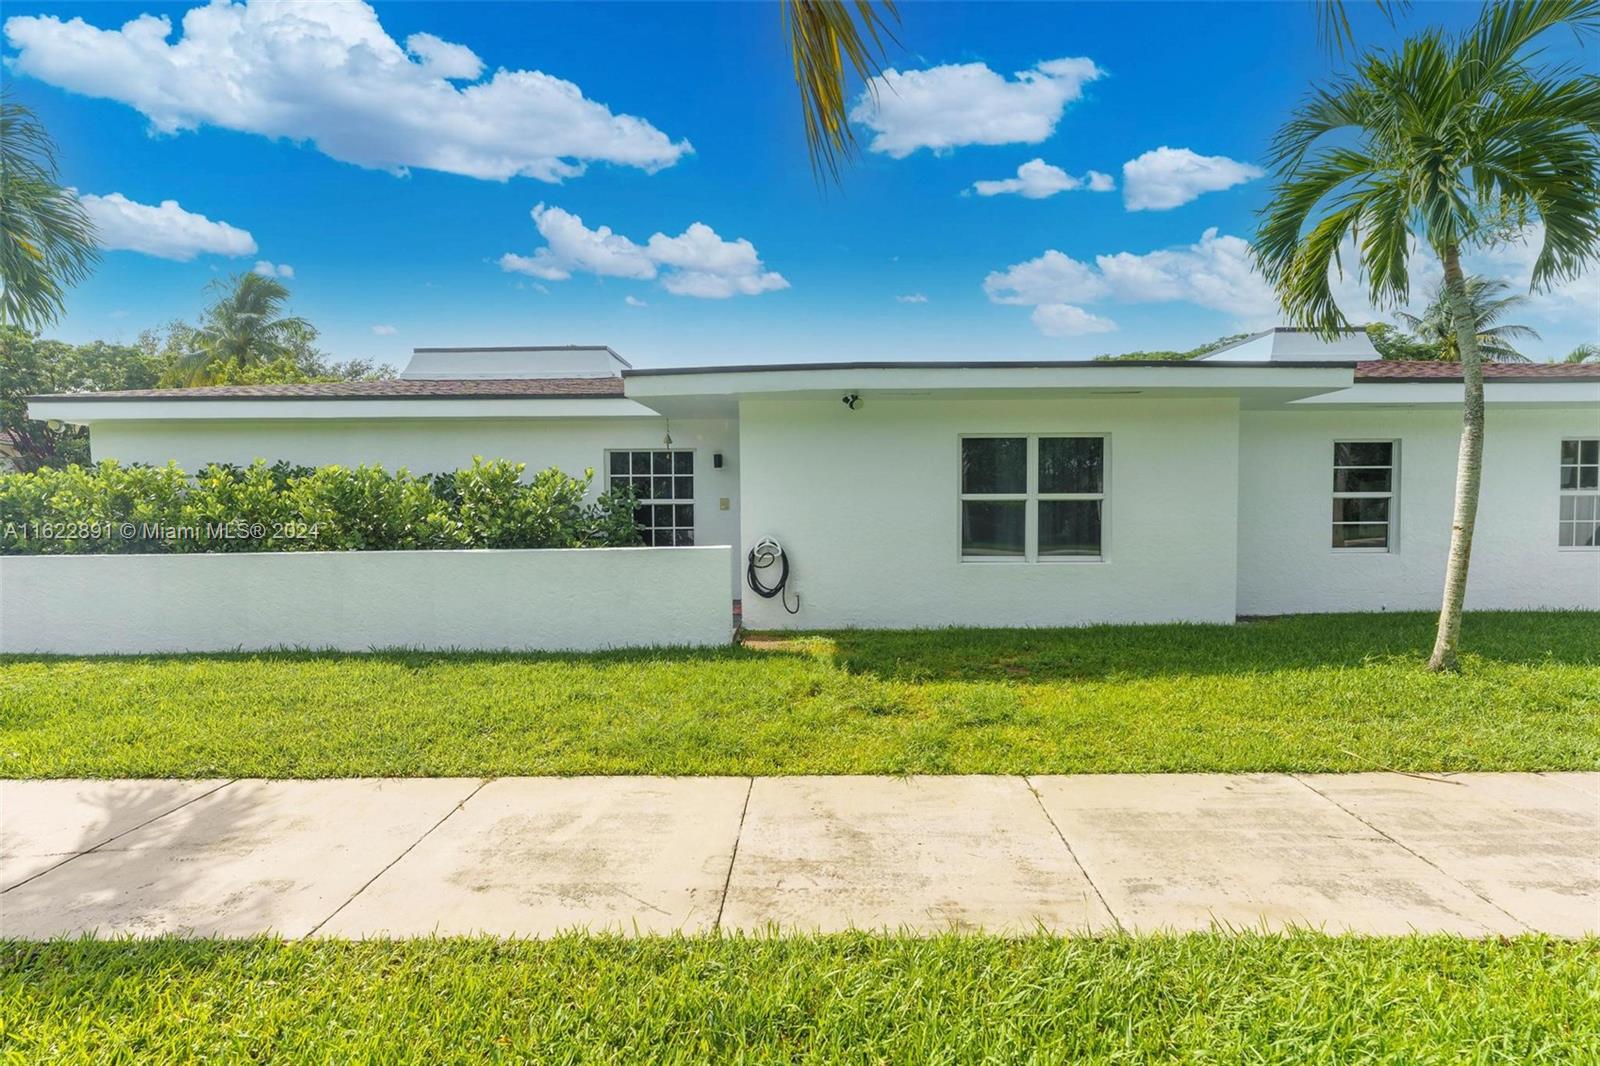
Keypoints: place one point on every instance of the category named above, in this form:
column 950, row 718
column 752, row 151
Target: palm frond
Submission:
column 829, row 40
column 47, row 241
column 1333, row 21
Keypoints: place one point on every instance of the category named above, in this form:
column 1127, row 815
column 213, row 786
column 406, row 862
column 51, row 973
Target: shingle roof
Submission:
column 393, row 389
column 1419, row 370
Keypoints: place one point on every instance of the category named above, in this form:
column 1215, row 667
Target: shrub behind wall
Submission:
column 109, row 509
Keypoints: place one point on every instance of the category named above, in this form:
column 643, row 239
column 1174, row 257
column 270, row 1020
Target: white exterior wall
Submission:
column 866, row 504
column 438, row 445
column 1287, row 563
column 582, row 599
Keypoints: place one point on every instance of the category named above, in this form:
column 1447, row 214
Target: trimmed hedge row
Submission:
column 112, row 509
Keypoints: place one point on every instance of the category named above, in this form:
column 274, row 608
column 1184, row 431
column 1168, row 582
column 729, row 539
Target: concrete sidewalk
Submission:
column 1373, row 853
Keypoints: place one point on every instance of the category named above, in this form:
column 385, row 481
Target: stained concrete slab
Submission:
column 251, row 857
column 926, row 853
column 1587, row 783
column 1529, row 844
column 538, row 856
column 1184, row 851
column 44, row 823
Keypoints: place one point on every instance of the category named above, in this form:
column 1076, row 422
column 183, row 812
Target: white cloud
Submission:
column 1035, row 180
column 912, row 298
column 1165, row 177
column 384, row 331
column 268, row 269
column 949, row 106
column 697, row 262
column 705, row 265
column 1065, row 320
column 167, row 231
column 330, row 74
column 439, row 57
column 1216, row 273
column 1051, row 278
column 634, row 301
column 571, row 246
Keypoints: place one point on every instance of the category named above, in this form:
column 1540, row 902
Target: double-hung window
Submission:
column 663, row 490
column 1032, row 497
column 1364, row 495
column 1580, row 493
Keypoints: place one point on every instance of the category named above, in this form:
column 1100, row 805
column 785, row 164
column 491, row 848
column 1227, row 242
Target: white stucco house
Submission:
column 1282, row 474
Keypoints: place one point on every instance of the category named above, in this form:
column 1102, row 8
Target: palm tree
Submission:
column 1584, row 353
column 1487, row 303
column 1446, row 142
column 244, row 328
column 46, row 239
column 827, row 39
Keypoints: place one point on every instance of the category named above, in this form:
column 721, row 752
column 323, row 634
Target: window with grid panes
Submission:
column 1580, row 494
column 1032, row 497
column 663, row 488
column 1364, row 495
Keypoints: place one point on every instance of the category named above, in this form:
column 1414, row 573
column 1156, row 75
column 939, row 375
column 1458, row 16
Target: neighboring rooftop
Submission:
column 525, row 361
column 392, row 389
column 1287, row 344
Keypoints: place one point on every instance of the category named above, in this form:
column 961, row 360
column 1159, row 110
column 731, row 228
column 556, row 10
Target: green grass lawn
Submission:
column 857, row 998
column 1331, row 692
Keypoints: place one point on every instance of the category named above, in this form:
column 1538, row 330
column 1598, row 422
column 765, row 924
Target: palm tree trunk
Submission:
column 1469, row 468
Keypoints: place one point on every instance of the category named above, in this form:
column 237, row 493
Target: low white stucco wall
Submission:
column 579, row 600
column 1287, row 563
column 865, row 504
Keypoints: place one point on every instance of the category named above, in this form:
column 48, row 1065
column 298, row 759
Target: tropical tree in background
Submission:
column 246, row 327
column 1488, row 301
column 1584, row 353
column 47, row 242
column 1447, row 142
column 31, row 366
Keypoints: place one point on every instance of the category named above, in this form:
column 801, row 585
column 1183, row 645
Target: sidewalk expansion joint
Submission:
column 390, row 864
column 1101, row 896
column 118, row 836
column 1411, row 851
column 727, row 882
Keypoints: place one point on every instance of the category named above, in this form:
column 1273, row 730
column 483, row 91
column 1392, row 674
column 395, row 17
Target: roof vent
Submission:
column 533, row 361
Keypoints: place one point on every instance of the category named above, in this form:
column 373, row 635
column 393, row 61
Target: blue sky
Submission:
column 310, row 137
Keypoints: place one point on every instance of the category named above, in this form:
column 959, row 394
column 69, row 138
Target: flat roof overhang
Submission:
column 1445, row 394
column 716, row 391
column 87, row 409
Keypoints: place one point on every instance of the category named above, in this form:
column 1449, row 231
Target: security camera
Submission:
column 852, row 401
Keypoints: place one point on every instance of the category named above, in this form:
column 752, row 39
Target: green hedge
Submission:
column 113, row 509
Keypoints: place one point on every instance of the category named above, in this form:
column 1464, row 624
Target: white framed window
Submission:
column 663, row 488
column 1032, row 497
column 1365, row 485
column 1580, row 493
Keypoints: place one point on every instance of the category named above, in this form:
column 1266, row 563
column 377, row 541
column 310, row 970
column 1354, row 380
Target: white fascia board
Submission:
column 1449, row 393
column 977, row 378
column 86, row 412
